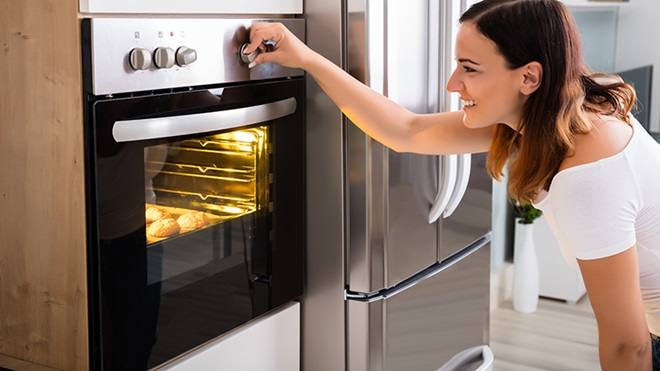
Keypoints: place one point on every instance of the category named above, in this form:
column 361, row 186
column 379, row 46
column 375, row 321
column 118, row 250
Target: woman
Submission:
column 571, row 145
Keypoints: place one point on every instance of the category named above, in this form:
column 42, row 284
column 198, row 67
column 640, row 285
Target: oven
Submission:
column 195, row 185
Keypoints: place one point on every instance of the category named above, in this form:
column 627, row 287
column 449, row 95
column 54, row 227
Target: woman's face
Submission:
column 490, row 91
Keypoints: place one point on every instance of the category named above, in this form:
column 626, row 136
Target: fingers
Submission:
column 261, row 32
column 265, row 58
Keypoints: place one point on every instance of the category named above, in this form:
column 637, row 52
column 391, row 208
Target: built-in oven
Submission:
column 195, row 183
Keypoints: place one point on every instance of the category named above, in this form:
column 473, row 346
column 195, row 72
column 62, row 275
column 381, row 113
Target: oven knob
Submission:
column 185, row 56
column 248, row 58
column 164, row 57
column 139, row 59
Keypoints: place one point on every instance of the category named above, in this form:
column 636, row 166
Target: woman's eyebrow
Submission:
column 467, row 60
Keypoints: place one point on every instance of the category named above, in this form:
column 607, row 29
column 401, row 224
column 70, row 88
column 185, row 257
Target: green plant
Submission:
column 527, row 213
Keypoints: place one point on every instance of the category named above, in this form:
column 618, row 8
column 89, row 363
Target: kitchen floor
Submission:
column 558, row 336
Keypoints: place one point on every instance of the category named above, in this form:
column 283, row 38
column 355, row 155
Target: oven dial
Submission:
column 164, row 57
column 248, row 58
column 139, row 59
column 185, row 56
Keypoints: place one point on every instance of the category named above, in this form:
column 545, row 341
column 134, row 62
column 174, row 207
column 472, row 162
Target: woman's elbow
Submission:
column 640, row 349
column 634, row 355
column 403, row 141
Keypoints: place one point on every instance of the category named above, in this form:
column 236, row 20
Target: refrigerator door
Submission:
column 434, row 324
column 389, row 194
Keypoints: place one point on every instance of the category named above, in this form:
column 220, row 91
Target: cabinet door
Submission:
column 267, row 344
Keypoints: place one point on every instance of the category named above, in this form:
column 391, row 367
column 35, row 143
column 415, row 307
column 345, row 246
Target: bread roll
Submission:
column 154, row 213
column 192, row 220
column 165, row 227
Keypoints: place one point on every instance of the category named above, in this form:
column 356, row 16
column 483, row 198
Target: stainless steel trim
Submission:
column 165, row 127
column 376, row 196
column 323, row 305
column 216, row 41
column 436, row 78
column 447, row 51
column 362, row 345
column 376, row 45
column 469, row 355
column 366, row 158
column 424, row 274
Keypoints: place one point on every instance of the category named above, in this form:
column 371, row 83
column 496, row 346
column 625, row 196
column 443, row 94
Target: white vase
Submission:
column 525, row 270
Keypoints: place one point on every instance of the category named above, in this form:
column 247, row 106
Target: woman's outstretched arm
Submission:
column 379, row 117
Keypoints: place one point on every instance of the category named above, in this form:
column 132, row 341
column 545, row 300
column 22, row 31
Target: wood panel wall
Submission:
column 43, row 299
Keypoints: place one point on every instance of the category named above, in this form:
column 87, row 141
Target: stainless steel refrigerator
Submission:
column 398, row 243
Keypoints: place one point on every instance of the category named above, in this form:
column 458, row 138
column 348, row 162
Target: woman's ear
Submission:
column 532, row 75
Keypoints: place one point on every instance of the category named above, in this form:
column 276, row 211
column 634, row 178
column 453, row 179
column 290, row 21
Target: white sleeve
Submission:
column 595, row 214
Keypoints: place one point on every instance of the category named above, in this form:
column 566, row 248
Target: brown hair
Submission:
column 544, row 31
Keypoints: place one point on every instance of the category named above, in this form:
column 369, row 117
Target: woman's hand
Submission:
column 288, row 51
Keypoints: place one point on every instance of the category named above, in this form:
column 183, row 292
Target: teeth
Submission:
column 469, row 102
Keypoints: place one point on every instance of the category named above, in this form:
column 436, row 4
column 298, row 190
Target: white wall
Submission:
column 598, row 30
column 638, row 22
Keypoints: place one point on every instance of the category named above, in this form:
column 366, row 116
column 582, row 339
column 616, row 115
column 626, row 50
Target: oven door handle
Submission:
column 173, row 126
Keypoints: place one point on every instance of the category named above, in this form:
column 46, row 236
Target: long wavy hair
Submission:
column 544, row 31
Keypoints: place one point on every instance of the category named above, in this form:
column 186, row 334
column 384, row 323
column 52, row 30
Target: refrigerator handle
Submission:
column 446, row 183
column 468, row 355
column 430, row 271
column 464, row 167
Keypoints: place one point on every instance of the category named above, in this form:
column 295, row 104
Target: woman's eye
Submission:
column 468, row 69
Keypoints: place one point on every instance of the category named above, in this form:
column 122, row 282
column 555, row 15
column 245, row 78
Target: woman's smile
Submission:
column 468, row 103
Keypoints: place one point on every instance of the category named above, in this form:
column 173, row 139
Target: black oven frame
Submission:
column 281, row 275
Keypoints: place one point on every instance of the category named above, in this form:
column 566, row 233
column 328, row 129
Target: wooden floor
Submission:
column 558, row 336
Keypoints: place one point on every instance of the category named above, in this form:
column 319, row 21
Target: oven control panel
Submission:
column 132, row 55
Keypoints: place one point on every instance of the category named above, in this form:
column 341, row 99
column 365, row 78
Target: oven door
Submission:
column 197, row 216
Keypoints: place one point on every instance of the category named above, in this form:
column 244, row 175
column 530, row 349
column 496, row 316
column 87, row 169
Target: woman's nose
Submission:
column 454, row 84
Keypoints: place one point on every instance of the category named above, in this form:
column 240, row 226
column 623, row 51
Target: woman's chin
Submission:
column 472, row 122
column 468, row 120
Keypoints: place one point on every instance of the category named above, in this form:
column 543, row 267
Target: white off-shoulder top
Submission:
column 602, row 208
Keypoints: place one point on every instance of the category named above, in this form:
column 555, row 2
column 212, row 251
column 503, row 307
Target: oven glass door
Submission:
column 199, row 214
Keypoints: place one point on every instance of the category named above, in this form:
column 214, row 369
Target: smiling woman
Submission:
column 487, row 85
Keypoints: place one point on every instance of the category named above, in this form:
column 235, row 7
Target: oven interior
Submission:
column 196, row 183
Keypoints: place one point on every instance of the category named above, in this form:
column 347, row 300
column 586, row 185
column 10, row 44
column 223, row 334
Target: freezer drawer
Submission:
column 423, row 327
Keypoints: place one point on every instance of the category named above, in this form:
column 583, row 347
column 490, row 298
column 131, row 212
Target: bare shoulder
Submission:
column 608, row 137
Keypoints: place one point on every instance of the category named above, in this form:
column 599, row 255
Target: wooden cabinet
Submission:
column 43, row 294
